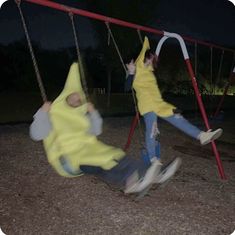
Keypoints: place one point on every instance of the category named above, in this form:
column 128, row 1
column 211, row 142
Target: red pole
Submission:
column 232, row 76
column 203, row 112
column 100, row 17
column 131, row 132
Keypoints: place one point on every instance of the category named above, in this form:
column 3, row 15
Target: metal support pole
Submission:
column 132, row 129
column 196, row 90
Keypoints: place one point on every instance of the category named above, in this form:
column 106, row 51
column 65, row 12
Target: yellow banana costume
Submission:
column 147, row 92
column 69, row 136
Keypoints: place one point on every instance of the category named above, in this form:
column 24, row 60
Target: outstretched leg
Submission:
column 184, row 125
column 129, row 174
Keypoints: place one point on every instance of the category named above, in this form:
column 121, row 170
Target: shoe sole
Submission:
column 145, row 190
column 145, row 184
column 148, row 183
column 217, row 135
column 175, row 163
column 149, row 178
column 214, row 137
column 169, row 171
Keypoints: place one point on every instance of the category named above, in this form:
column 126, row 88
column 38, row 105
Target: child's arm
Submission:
column 140, row 60
column 129, row 82
column 130, row 77
column 41, row 125
column 95, row 119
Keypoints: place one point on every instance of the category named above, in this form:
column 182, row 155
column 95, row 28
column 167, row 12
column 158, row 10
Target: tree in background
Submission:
column 136, row 11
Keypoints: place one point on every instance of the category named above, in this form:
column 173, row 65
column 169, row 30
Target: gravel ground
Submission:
column 35, row 200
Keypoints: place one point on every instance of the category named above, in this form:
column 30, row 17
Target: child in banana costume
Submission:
column 151, row 104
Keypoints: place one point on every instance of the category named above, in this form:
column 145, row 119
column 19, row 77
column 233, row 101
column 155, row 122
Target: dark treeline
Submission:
column 103, row 68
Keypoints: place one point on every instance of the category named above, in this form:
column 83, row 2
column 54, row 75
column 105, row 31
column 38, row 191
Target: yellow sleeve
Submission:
column 140, row 60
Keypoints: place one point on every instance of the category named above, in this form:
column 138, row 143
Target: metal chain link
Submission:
column 80, row 63
column 195, row 58
column 35, row 64
column 233, row 63
column 116, row 46
column 220, row 67
column 124, row 67
column 211, row 70
column 140, row 36
column 196, row 73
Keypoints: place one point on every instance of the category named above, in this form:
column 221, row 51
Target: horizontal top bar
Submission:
column 96, row 16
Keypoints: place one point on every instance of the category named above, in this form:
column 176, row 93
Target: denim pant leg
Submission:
column 150, row 120
column 184, row 125
column 118, row 174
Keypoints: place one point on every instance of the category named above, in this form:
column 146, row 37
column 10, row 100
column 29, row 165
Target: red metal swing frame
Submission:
column 165, row 35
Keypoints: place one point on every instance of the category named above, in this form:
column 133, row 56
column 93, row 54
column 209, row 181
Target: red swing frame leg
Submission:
column 196, row 90
column 132, row 130
column 203, row 112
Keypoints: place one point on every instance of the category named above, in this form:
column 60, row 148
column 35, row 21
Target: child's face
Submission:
column 74, row 100
column 149, row 60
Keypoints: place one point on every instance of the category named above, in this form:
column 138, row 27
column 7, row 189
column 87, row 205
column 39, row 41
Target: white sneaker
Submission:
column 207, row 137
column 148, row 179
column 132, row 183
column 168, row 171
column 150, row 175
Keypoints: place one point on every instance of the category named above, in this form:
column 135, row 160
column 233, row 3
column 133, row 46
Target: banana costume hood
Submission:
column 70, row 138
column 147, row 92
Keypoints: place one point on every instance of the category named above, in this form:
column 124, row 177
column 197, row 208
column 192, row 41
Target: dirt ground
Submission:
column 35, row 200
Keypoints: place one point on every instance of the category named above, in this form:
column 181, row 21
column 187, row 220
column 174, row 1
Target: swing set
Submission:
column 165, row 35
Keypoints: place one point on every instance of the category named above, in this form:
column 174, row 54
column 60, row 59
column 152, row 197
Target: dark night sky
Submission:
column 51, row 28
column 210, row 20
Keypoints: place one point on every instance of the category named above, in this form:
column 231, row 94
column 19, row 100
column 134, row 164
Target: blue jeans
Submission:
column 117, row 176
column 176, row 120
column 150, row 120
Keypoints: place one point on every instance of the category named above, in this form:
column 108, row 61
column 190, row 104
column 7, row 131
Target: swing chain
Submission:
column 195, row 58
column 211, row 70
column 124, row 67
column 79, row 57
column 116, row 46
column 108, row 38
column 196, row 73
column 220, row 68
column 233, row 63
column 140, row 36
column 35, row 64
column 18, row 2
column 71, row 15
